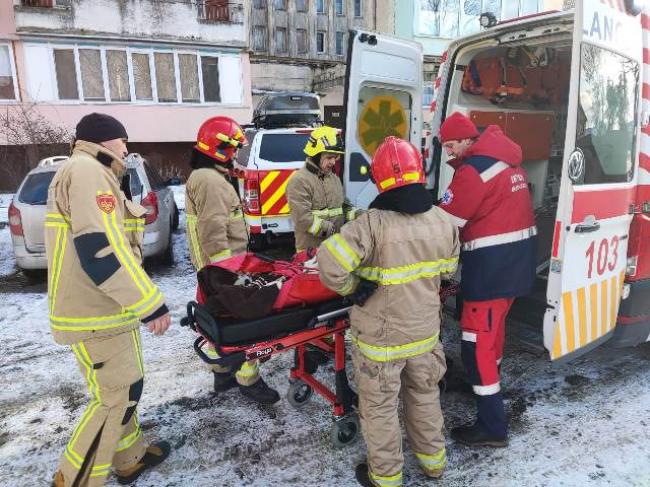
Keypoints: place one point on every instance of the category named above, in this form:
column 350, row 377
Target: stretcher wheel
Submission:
column 299, row 394
column 345, row 431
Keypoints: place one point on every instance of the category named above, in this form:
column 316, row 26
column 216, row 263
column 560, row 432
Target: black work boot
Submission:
column 154, row 455
column 475, row 435
column 260, row 392
column 223, row 381
column 363, row 476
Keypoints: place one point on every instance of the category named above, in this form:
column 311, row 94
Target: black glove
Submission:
column 364, row 290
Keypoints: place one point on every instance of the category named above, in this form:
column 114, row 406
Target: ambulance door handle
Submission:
column 587, row 227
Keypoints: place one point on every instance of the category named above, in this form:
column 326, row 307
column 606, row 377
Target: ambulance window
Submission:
column 283, row 147
column 381, row 113
column 606, row 128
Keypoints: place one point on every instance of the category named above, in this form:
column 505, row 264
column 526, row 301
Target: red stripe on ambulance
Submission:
column 601, row 204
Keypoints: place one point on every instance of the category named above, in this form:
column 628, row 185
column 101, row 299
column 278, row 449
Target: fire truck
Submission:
column 572, row 87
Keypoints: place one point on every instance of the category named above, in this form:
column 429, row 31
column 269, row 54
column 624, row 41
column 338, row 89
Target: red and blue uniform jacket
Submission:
column 489, row 200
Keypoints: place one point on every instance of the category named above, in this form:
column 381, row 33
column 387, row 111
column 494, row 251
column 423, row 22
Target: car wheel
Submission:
column 175, row 218
column 35, row 276
column 167, row 257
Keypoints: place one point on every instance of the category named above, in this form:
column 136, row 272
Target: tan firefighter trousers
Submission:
column 108, row 433
column 247, row 375
column 378, row 385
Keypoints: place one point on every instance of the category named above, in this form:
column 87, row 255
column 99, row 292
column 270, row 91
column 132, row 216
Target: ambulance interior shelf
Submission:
column 518, row 77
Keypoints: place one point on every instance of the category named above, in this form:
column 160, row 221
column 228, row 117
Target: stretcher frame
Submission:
column 345, row 427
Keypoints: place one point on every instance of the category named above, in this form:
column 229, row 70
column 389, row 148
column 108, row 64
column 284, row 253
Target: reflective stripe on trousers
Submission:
column 392, row 481
column 397, row 352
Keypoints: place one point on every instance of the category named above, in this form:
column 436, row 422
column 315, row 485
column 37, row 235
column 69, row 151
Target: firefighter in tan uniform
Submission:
column 98, row 295
column 216, row 230
column 390, row 260
column 315, row 192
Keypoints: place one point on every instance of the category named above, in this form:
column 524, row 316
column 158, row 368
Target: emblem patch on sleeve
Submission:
column 106, row 202
column 447, row 198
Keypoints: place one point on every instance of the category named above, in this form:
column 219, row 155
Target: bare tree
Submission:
column 28, row 137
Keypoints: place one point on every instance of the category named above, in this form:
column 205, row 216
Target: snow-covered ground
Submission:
column 586, row 423
column 179, row 195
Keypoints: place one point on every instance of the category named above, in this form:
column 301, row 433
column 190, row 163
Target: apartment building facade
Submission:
column 302, row 44
column 161, row 67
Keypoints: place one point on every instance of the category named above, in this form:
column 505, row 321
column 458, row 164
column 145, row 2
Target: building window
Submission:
column 66, row 74
column 281, row 40
column 321, row 7
column 301, row 5
column 259, row 38
column 103, row 73
column 165, row 76
column 188, row 68
column 339, row 7
column 280, row 4
column 7, row 83
column 210, row 70
column 357, row 8
column 118, row 76
column 340, row 36
column 301, row 41
column 260, row 4
column 142, row 76
column 320, row 42
column 92, row 79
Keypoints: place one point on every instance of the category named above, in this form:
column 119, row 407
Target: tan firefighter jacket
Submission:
column 406, row 255
column 93, row 234
column 316, row 205
column 215, row 220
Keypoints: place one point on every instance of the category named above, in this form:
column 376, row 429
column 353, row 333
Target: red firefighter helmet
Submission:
column 396, row 163
column 220, row 138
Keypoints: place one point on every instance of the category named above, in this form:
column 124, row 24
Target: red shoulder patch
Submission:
column 106, row 202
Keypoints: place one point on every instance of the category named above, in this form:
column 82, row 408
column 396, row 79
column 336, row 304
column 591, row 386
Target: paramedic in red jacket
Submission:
column 488, row 198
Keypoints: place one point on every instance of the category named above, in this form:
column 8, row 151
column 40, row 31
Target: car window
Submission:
column 283, row 147
column 136, row 183
column 155, row 180
column 34, row 191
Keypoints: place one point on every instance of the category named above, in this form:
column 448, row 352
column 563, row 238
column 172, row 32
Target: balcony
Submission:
column 220, row 11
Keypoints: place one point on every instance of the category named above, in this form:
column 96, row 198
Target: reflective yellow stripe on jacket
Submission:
column 387, row 276
column 320, row 215
column 342, row 252
column 195, row 247
column 134, row 225
column 397, row 352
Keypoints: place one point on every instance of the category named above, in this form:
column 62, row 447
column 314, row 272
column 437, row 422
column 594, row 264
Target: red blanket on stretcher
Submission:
column 288, row 284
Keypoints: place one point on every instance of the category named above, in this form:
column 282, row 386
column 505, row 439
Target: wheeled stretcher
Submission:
column 308, row 329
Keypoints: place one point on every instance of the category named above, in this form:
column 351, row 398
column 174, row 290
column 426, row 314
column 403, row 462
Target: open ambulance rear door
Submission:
column 598, row 179
column 383, row 95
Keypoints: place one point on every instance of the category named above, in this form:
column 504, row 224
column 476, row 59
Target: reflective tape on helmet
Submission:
column 387, row 276
column 433, row 462
column 342, row 252
column 396, row 352
column 390, row 481
column 386, row 183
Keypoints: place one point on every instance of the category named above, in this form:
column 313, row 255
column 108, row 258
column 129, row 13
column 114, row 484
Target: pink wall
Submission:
column 7, row 20
column 147, row 123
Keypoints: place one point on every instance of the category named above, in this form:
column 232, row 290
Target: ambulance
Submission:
column 572, row 87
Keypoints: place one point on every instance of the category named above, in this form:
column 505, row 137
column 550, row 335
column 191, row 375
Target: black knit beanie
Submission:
column 98, row 127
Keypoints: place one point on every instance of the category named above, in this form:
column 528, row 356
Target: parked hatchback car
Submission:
column 28, row 208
